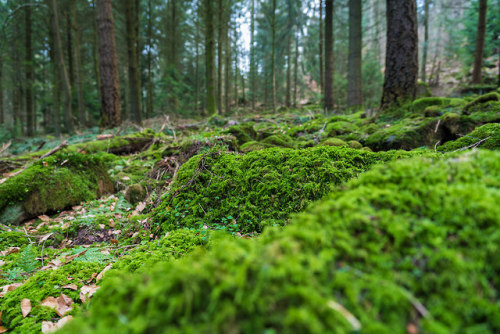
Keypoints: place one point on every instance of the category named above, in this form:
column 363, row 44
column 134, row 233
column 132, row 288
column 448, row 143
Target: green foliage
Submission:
column 245, row 193
column 413, row 241
column 12, row 239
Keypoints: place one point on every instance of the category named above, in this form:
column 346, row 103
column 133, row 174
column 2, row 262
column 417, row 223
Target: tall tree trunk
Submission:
column 30, row 117
column 56, row 86
column 236, row 66
column 354, row 90
column 95, row 56
column 2, row 110
column 69, row 46
column 288, row 70
column 227, row 65
column 401, row 59
column 149, row 98
column 481, row 32
column 273, row 56
column 321, row 62
column 68, row 119
column 108, row 65
column 252, row 56
column 197, row 63
column 133, row 66
column 328, row 77
column 423, row 73
column 296, row 69
column 210, row 58
column 220, row 57
column 78, row 61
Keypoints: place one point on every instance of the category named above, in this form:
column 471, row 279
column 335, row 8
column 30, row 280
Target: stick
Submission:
column 55, row 149
column 473, row 145
column 5, row 146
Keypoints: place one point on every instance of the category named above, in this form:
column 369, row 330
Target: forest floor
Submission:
column 290, row 222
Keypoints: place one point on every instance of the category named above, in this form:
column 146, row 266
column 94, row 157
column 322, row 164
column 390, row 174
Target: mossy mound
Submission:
column 279, row 140
column 489, row 131
column 334, row 142
column 420, row 105
column 490, row 97
column 245, row 193
column 52, row 184
column 243, row 132
column 254, row 146
column 409, row 244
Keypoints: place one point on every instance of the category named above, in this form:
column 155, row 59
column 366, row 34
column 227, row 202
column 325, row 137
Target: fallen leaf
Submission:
column 44, row 218
column 72, row 257
column 412, row 328
column 25, row 307
column 92, row 277
column 50, row 302
column 65, row 226
column 101, row 274
column 3, row 329
column 87, row 291
column 104, row 137
column 113, row 241
column 64, row 305
column 48, row 327
column 102, row 226
column 73, row 287
column 64, row 321
column 112, row 222
column 8, row 288
column 45, row 238
column 2, row 263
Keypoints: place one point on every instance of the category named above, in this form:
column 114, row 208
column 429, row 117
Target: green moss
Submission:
column 243, row 132
column 254, row 146
column 423, row 89
column 414, row 241
column 340, row 128
column 490, row 97
column 12, row 239
column 334, row 142
column 56, row 182
column 135, row 193
column 312, row 126
column 354, row 144
column 245, row 193
column 279, row 140
column 40, row 286
column 421, row 104
column 490, row 131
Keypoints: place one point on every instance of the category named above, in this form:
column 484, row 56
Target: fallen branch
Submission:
column 473, row 145
column 54, row 150
column 5, row 146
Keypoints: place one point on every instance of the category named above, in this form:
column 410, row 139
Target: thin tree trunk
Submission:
column 149, row 99
column 227, row 65
column 108, row 65
column 288, row 71
column 401, row 60
column 321, row 62
column 220, row 55
column 68, row 121
column 423, row 74
column 236, row 68
column 354, row 91
column 78, row 61
column 210, row 59
column 2, row 111
column 328, row 77
column 69, row 46
column 252, row 56
column 56, row 86
column 95, row 56
column 197, row 64
column 481, row 32
column 273, row 56
column 133, row 66
column 296, row 69
column 30, row 126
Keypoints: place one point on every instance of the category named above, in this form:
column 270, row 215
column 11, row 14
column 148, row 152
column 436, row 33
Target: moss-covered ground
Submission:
column 297, row 222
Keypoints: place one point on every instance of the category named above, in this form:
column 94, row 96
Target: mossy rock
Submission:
column 490, row 131
column 52, row 184
column 433, row 111
column 279, row 140
column 421, row 104
column 455, row 125
column 135, row 193
column 243, row 132
column 245, row 193
column 423, row 90
column 490, row 97
column 354, row 144
column 254, row 146
column 312, row 126
column 410, row 242
column 340, row 128
column 334, row 142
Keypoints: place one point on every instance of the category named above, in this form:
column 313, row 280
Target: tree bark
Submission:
column 401, row 59
column 354, row 90
column 273, row 56
column 68, row 120
column 220, row 56
column 78, row 62
column 149, row 98
column 133, row 66
column 296, row 69
column 210, row 58
column 252, row 56
column 481, row 32
column 321, row 61
column 423, row 73
column 30, row 117
column 95, row 55
column 56, row 86
column 328, row 77
column 227, row 65
column 108, row 65
column 2, row 111
column 69, row 46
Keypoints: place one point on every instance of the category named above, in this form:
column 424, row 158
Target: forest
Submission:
column 250, row 166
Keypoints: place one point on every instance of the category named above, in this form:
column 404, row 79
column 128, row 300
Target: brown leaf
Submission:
column 25, row 307
column 101, row 274
column 44, row 218
column 48, row 327
column 2, row 263
column 113, row 241
column 65, row 226
column 412, row 328
column 3, row 329
column 45, row 238
column 9, row 287
column 104, row 137
column 87, row 291
column 73, row 287
column 50, row 302
column 112, row 222
column 92, row 277
column 64, row 305
column 72, row 257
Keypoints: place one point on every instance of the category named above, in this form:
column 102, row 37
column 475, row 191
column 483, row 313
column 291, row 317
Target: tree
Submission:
column 133, row 65
column 210, row 58
column 481, row 32
column 328, row 76
column 354, row 91
column 79, row 79
column 321, row 61
column 30, row 126
column 108, row 65
column 252, row 55
column 426, row 41
column 401, row 60
column 273, row 55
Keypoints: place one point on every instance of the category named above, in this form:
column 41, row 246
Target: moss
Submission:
column 423, row 89
column 433, row 111
column 421, row 104
column 54, row 183
column 490, row 131
column 354, row 144
column 40, row 286
column 254, row 146
column 279, row 140
column 334, row 142
column 245, row 193
column 490, row 97
column 312, row 126
column 404, row 239
column 243, row 132
column 12, row 239
column 340, row 128
column 135, row 193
